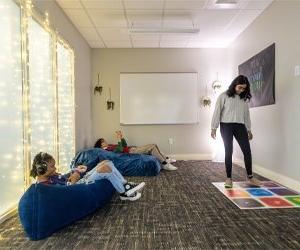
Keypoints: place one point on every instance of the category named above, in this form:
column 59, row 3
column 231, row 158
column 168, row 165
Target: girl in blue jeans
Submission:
column 44, row 170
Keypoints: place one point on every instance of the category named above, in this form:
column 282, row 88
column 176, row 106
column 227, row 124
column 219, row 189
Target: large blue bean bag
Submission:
column 127, row 164
column 44, row 209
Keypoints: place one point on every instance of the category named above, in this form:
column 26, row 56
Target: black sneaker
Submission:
column 133, row 197
column 131, row 188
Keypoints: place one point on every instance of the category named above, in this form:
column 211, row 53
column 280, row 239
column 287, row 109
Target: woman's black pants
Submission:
column 239, row 132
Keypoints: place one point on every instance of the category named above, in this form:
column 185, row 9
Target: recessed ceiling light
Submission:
column 226, row 2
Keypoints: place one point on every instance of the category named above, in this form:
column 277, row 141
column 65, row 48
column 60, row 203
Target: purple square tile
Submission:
column 283, row 191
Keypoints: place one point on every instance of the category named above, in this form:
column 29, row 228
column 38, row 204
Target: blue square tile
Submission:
column 259, row 192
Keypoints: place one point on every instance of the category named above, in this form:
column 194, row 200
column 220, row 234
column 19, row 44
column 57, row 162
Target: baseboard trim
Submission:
column 282, row 179
column 8, row 214
column 187, row 157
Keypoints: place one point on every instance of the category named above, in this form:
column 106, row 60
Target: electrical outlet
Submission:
column 171, row 141
column 297, row 70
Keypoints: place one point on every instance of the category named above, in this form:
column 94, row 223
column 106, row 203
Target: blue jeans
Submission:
column 115, row 177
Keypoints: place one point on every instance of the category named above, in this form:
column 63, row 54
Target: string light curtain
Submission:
column 36, row 97
column 11, row 119
column 65, row 98
column 41, row 89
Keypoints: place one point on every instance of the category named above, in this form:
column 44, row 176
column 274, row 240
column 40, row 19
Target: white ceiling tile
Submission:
column 144, row 20
column 218, row 26
column 89, row 34
column 215, row 18
column 69, row 4
column 103, row 4
column 111, row 19
column 96, row 44
column 145, row 44
column 173, row 44
column 118, row 44
column 257, row 4
column 79, row 17
column 109, row 34
column 184, row 4
column 175, row 38
column 177, row 21
column 144, row 4
column 240, row 23
column 145, row 37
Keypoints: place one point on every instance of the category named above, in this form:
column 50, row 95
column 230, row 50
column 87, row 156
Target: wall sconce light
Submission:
column 217, row 85
column 97, row 87
column 205, row 100
column 110, row 103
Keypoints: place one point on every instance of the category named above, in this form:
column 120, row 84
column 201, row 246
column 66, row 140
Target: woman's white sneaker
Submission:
column 169, row 167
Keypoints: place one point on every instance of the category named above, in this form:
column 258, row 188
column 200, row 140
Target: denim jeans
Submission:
column 115, row 177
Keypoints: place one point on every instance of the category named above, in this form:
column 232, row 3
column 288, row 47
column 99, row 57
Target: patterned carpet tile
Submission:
column 178, row 210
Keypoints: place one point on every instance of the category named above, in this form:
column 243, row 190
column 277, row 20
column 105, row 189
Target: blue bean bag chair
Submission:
column 44, row 209
column 127, row 164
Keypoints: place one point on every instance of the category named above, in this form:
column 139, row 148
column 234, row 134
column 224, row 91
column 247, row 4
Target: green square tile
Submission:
column 294, row 199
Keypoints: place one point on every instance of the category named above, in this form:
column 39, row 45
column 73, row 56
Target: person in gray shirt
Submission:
column 232, row 114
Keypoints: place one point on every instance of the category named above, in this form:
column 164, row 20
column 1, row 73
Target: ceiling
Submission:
column 107, row 23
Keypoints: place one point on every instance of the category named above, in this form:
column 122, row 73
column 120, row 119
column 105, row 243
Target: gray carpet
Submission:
column 178, row 210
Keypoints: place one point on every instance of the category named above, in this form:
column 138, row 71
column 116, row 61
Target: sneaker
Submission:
column 133, row 197
column 254, row 182
column 169, row 167
column 131, row 188
column 170, row 160
column 228, row 183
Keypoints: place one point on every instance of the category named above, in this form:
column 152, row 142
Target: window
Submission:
column 36, row 98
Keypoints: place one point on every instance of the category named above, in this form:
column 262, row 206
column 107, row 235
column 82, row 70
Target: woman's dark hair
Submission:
column 99, row 143
column 240, row 80
column 40, row 164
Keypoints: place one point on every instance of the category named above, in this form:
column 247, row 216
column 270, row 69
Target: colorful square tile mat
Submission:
column 269, row 195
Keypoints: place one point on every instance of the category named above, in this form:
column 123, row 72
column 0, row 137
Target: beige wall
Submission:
column 276, row 141
column 64, row 26
column 188, row 139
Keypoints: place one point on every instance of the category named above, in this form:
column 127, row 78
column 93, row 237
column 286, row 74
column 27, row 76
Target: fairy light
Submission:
column 65, row 105
column 40, row 119
column 11, row 127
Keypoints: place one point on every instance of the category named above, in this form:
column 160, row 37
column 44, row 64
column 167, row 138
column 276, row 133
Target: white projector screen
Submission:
column 158, row 98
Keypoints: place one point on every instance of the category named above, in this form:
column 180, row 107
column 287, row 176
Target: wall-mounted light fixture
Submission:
column 97, row 87
column 217, row 85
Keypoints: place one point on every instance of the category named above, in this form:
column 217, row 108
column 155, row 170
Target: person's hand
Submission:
column 213, row 133
column 81, row 168
column 119, row 135
column 103, row 163
column 74, row 177
column 250, row 135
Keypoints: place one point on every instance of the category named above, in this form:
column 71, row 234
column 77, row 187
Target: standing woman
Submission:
column 232, row 113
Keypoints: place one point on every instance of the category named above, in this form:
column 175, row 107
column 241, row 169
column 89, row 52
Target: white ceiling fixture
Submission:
column 162, row 23
column 163, row 31
column 226, row 2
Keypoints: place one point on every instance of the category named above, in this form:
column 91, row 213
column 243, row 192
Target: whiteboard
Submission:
column 158, row 98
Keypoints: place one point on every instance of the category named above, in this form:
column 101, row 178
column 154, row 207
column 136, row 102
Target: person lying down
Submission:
column 149, row 149
column 44, row 170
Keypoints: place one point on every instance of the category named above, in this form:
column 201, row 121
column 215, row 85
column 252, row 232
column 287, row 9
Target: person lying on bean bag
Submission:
column 149, row 149
column 44, row 170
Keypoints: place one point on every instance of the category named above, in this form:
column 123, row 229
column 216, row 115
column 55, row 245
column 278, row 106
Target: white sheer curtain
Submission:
column 65, row 106
column 42, row 90
column 11, row 120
